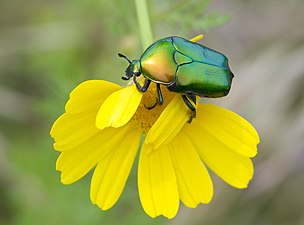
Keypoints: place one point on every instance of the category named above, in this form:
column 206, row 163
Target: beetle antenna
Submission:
column 123, row 56
column 125, row 78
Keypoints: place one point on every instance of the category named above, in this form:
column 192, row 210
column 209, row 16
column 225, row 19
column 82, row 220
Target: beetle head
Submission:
column 133, row 69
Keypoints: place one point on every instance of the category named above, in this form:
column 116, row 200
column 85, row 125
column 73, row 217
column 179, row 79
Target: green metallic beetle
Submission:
column 184, row 67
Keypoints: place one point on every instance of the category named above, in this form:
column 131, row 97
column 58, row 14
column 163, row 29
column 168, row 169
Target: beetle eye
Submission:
column 128, row 72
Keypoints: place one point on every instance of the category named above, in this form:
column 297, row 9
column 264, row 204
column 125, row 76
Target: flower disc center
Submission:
column 149, row 108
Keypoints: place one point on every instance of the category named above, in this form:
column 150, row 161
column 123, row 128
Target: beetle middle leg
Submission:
column 144, row 88
column 159, row 100
column 160, row 96
column 151, row 107
column 190, row 106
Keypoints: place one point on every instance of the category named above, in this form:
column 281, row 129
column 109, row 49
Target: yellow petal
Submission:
column 111, row 174
column 70, row 130
column 78, row 123
column 194, row 183
column 229, row 128
column 235, row 169
column 77, row 162
column 168, row 124
column 157, row 183
column 197, row 38
column 89, row 95
column 118, row 108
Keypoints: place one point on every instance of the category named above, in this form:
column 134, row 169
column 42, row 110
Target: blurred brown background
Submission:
column 48, row 47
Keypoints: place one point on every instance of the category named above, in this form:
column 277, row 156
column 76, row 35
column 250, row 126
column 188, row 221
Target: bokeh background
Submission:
column 47, row 47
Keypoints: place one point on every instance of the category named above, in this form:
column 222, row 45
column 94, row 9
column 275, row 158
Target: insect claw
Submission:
column 192, row 116
column 153, row 106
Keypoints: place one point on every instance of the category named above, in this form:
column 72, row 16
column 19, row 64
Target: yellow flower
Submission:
column 103, row 124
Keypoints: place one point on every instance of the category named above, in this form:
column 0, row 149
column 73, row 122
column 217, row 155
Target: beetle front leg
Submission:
column 143, row 88
column 191, row 107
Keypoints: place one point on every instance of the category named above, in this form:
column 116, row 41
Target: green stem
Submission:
column 144, row 23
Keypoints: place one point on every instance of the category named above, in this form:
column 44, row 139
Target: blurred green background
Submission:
column 48, row 47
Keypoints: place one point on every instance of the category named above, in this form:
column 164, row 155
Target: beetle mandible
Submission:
column 184, row 67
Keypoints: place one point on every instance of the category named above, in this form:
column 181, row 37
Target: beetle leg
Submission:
column 188, row 103
column 143, row 88
column 192, row 97
column 159, row 100
column 153, row 106
column 146, row 85
column 136, row 83
column 160, row 96
column 191, row 107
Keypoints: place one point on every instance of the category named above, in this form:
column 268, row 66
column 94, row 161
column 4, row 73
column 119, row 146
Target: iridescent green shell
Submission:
column 187, row 67
column 157, row 62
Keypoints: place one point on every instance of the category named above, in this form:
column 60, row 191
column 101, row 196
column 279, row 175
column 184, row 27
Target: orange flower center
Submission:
column 149, row 108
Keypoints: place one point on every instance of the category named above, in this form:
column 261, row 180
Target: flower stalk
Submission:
column 144, row 23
